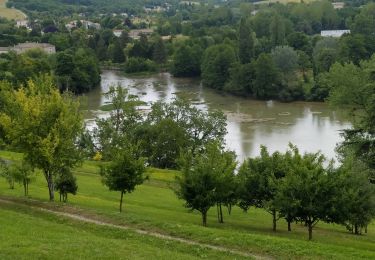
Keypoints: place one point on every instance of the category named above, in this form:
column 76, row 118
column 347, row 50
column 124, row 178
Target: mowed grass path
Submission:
column 9, row 13
column 30, row 234
column 154, row 206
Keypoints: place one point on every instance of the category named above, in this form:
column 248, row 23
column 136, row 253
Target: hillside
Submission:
column 10, row 13
column 154, row 207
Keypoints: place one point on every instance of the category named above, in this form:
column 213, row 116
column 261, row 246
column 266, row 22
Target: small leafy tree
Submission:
column 24, row 174
column 7, row 173
column 307, row 191
column 66, row 183
column 202, row 183
column 259, row 180
column 124, row 173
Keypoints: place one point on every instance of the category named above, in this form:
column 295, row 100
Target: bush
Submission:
column 136, row 64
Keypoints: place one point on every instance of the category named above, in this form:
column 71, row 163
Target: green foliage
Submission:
column 124, row 173
column 259, row 180
column 24, row 174
column 77, row 70
column 135, row 65
column 44, row 125
column 207, row 178
column 306, row 193
column 216, row 63
column 186, row 61
column 66, row 183
column 245, row 42
column 266, row 84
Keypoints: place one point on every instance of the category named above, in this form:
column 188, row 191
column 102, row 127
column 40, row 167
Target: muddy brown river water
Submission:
column 310, row 126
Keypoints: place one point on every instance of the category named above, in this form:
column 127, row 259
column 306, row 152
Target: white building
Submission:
column 46, row 47
column 22, row 23
column 334, row 33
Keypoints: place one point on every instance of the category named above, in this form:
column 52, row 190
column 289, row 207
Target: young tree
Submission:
column 24, row 174
column 7, row 173
column 259, row 180
column 123, row 173
column 66, row 183
column 201, row 184
column 45, row 126
column 306, row 193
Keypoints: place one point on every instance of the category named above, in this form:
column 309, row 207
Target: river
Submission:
column 311, row 126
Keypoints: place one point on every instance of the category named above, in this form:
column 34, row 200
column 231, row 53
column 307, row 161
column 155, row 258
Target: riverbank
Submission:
column 154, row 207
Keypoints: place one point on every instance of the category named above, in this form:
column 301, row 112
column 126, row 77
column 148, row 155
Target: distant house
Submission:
column 117, row 33
column 22, row 23
column 85, row 24
column 136, row 34
column 338, row 5
column 4, row 50
column 23, row 47
column 334, row 33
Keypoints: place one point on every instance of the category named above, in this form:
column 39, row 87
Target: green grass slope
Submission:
column 28, row 234
column 154, row 206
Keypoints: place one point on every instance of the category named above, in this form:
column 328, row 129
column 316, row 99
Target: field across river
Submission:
column 10, row 13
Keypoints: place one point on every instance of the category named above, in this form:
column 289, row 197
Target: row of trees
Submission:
column 296, row 187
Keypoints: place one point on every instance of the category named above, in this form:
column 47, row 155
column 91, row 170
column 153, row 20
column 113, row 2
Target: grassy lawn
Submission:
column 10, row 13
column 28, row 234
column 154, row 206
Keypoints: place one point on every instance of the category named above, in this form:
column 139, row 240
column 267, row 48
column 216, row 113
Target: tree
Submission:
column 259, row 180
column 352, row 88
column 245, row 42
column 186, row 61
column 201, row 184
column 356, row 207
column 118, row 52
column 24, row 174
column 66, row 183
column 217, row 60
column 306, row 193
column 266, row 84
column 114, row 132
column 44, row 125
column 123, row 173
column 7, row 173
column 277, row 30
column 159, row 53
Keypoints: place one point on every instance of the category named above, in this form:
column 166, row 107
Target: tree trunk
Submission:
column 217, row 212
column 25, row 187
column 50, row 187
column 221, row 214
column 274, row 220
column 366, row 229
column 122, row 195
column 229, row 208
column 289, row 225
column 204, row 218
column 310, row 230
column 356, row 229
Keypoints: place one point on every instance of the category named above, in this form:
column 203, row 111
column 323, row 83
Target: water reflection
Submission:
column 251, row 123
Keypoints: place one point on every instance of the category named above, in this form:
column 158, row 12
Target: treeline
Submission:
column 74, row 69
column 274, row 53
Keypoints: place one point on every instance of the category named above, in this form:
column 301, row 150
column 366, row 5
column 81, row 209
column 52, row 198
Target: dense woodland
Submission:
column 274, row 54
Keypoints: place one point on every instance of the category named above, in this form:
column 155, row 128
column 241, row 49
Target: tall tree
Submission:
column 245, row 42
column 44, row 125
column 216, row 63
column 266, row 83
column 159, row 53
column 277, row 30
